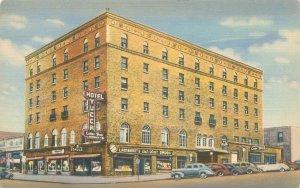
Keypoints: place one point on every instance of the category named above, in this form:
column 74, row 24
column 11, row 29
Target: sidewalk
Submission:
column 89, row 179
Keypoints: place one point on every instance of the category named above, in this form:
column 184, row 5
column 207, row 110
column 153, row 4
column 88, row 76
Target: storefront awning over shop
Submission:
column 34, row 158
column 212, row 150
column 57, row 157
column 85, row 156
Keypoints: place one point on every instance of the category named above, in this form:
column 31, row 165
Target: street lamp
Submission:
column 211, row 156
column 243, row 154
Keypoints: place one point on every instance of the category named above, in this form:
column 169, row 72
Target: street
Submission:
column 264, row 180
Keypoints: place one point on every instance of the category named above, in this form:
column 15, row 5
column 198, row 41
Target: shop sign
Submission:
column 114, row 149
column 255, row 148
column 204, row 150
column 77, row 148
column 58, row 151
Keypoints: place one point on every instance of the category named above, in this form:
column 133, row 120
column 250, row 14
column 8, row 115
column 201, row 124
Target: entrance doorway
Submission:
column 145, row 166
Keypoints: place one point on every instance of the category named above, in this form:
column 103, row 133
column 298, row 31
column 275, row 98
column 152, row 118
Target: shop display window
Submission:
column 96, row 166
column 30, row 166
column 41, row 166
column 181, row 161
column 52, row 165
column 65, row 165
column 164, row 163
column 123, row 164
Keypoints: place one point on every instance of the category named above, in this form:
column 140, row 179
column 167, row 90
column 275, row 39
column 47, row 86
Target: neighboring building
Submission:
column 11, row 149
column 287, row 138
column 163, row 101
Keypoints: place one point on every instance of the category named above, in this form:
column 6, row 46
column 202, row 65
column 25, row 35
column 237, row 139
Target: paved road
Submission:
column 265, row 180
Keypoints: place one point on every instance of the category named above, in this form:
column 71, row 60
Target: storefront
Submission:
column 123, row 164
column 163, row 163
column 35, row 165
column 58, row 165
column 87, row 165
column 254, row 157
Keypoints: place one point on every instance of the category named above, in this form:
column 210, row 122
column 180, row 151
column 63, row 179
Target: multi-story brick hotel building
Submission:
column 117, row 97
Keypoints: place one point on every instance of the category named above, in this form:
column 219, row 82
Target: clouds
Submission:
column 282, row 60
column 12, row 53
column 55, row 22
column 245, row 22
column 42, row 40
column 6, row 90
column 282, row 82
column 13, row 21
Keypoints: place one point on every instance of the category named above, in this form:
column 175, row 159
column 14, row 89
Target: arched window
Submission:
column 124, row 133
column 63, row 137
column 85, row 45
column 29, row 141
column 198, row 140
column 204, row 141
column 255, row 83
column 38, row 67
column 235, row 77
column 30, row 71
column 211, row 69
column 146, row 135
column 97, row 40
column 182, row 138
column 165, row 54
column 37, row 140
column 224, row 74
column 165, row 137
column 46, row 140
column 66, row 56
column 83, row 130
column 53, row 60
column 211, row 141
column 197, row 64
column 145, row 48
column 54, row 138
column 124, row 41
column 181, row 59
column 246, row 80
column 72, row 137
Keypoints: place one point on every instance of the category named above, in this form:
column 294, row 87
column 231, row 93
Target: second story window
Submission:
column 181, row 78
column 96, row 62
column 97, row 82
column 124, row 104
column 124, row 41
column 181, row 59
column 165, row 93
column 198, row 119
column 145, row 48
column 66, row 55
column 65, row 92
column 181, row 96
column 124, row 63
column 124, row 83
column 53, row 80
column 52, row 115
column 66, row 74
column 85, row 46
column 165, row 74
column 85, row 66
column 38, row 84
column 165, row 54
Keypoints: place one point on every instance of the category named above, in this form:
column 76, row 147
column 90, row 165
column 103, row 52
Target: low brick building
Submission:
column 162, row 102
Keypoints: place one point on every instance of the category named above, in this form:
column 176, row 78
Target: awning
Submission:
column 57, row 157
column 33, row 158
column 85, row 156
column 212, row 150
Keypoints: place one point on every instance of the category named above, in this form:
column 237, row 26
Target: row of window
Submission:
column 52, row 117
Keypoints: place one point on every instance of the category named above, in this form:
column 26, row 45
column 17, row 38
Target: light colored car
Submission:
column 273, row 167
column 248, row 168
column 192, row 170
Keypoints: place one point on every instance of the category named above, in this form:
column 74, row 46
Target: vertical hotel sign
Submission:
column 92, row 133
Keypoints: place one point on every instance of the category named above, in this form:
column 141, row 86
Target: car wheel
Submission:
column 177, row 177
column 203, row 175
column 11, row 177
column 281, row 169
column 260, row 170
column 235, row 173
column 220, row 173
column 249, row 171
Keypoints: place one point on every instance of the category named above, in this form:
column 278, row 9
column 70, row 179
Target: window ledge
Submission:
column 125, row 110
column 124, row 89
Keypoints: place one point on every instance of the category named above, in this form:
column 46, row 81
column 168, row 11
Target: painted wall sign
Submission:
column 77, row 148
column 58, row 151
column 113, row 148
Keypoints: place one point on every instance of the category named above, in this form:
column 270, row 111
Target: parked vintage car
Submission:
column 219, row 169
column 5, row 173
column 192, row 170
column 233, row 169
column 248, row 168
column 292, row 165
column 273, row 167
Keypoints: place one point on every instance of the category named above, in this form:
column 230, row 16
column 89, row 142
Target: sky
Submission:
column 261, row 33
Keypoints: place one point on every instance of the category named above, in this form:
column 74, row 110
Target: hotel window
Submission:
column 182, row 138
column 124, row 41
column 198, row 140
column 235, row 78
column 165, row 137
column 225, row 105
column 255, row 83
column 29, row 141
column 85, row 105
column 38, row 117
column 97, row 82
column 52, row 115
column 165, row 54
column 211, row 102
column 53, row 78
column 124, row 83
column 66, row 74
column 85, row 85
column 63, row 137
column 85, row 66
column 224, row 90
column 53, row 96
column 54, row 138
column 97, row 40
column 146, row 107
column 211, row 86
column 198, row 119
column 211, row 141
column 72, row 137
column 212, row 120
column 30, row 119
column 197, row 82
column 124, row 133
column 181, row 113
column 204, row 141
column 197, row 65
column 246, row 80
column 255, row 98
column 236, row 108
column 30, row 103
column 280, row 137
column 246, row 125
column 225, row 121
column 165, row 111
column 246, row 95
column 165, row 74
column 146, row 68
column 246, row 109
column 165, row 93
column 181, row 59
column 145, row 48
column 236, row 123
column 249, row 140
column 243, row 140
column 236, row 138
column 181, row 96
column 38, row 68
column 197, row 99
column 66, row 56
column 38, row 84
column 38, row 101
column 146, row 135
column 96, row 62
column 235, row 93
column 181, row 78
column 124, row 63
column 53, row 60
column 46, row 141
column 211, row 69
column 224, row 74
column 255, row 112
column 30, row 87
column 124, row 104
column 85, row 45
column 256, row 126
column 146, row 87
column 30, row 71
column 65, row 91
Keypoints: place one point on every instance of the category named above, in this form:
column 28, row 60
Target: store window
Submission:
column 163, row 163
column 270, row 158
column 123, row 163
column 255, row 158
column 41, row 166
column 181, row 161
